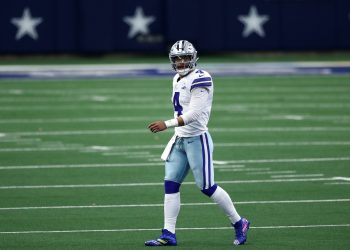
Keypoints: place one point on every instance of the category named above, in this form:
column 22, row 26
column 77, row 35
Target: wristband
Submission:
column 171, row 123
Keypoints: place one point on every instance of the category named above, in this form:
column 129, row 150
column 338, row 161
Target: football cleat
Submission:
column 166, row 239
column 241, row 228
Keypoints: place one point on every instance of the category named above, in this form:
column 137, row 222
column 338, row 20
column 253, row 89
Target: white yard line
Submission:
column 286, row 160
column 218, row 107
column 226, row 107
column 38, row 149
column 21, row 97
column 284, row 144
column 180, row 229
column 282, row 129
column 161, row 183
column 182, row 204
column 160, row 163
column 296, row 175
column 243, row 169
column 272, row 172
column 82, row 91
column 130, row 89
column 79, row 120
column 337, row 183
column 78, row 132
column 137, row 131
column 106, row 165
column 140, row 118
column 218, row 166
column 112, row 149
column 97, row 98
column 342, row 178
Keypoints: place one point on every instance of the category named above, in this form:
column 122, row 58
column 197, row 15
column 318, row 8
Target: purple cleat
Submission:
column 166, row 239
column 241, row 228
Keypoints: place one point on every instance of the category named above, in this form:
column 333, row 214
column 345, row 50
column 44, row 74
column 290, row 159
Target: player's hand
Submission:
column 157, row 126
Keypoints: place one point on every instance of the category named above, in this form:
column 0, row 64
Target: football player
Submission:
column 191, row 148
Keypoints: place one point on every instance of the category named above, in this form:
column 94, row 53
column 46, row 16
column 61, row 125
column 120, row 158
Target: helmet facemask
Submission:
column 182, row 64
column 183, row 57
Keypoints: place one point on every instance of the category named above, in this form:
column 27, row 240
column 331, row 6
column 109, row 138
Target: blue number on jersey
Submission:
column 201, row 73
column 176, row 101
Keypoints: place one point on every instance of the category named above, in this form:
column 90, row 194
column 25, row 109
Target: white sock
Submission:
column 171, row 210
column 224, row 201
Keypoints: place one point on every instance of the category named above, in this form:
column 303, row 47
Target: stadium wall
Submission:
column 105, row 26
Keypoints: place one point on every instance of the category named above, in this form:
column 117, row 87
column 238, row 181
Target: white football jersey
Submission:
column 192, row 99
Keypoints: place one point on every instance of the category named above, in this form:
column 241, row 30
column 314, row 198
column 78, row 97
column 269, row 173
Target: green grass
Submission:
column 292, row 122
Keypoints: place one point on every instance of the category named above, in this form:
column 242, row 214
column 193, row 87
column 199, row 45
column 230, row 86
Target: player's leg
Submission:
column 200, row 157
column 176, row 169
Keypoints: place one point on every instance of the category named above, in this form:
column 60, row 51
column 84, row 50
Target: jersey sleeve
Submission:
column 202, row 79
column 197, row 105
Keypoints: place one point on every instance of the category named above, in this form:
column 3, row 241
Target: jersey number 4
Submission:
column 176, row 102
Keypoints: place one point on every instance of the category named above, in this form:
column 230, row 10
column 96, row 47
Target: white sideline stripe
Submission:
column 161, row 163
column 181, row 228
column 182, row 204
column 217, row 130
column 243, row 144
column 161, row 183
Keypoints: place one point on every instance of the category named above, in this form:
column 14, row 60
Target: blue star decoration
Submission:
column 253, row 22
column 138, row 23
column 26, row 25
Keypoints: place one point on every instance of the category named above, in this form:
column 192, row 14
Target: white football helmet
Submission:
column 183, row 57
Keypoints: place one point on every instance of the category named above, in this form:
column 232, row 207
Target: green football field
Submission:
column 80, row 170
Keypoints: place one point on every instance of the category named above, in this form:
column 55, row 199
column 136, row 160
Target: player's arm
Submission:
column 158, row 126
column 198, row 101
